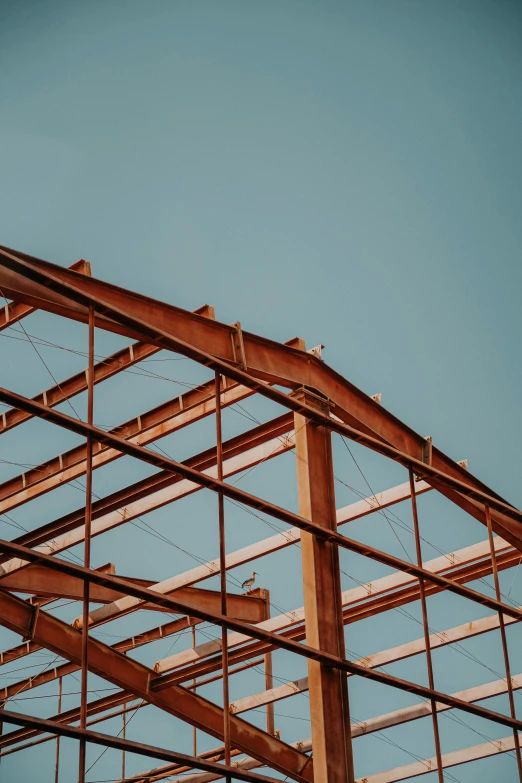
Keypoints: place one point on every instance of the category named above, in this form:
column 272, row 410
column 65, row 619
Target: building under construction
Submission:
column 230, row 631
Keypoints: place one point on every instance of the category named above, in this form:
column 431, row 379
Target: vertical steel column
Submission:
column 87, row 548
column 269, row 676
column 222, row 573
column 328, row 687
column 57, row 759
column 124, row 736
column 194, row 729
column 425, row 626
column 503, row 637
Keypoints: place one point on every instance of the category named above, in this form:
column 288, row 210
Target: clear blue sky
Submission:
column 345, row 171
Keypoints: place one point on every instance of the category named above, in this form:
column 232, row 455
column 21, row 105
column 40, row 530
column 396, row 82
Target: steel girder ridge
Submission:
column 322, row 402
column 249, row 358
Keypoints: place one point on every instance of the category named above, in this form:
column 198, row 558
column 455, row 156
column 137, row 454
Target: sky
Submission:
column 348, row 172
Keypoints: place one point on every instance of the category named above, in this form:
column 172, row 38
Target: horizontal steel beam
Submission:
column 109, row 741
column 417, row 711
column 12, row 312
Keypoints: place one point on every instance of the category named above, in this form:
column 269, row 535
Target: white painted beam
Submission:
column 157, row 499
column 402, row 716
column 384, row 658
column 284, row 621
column 453, row 759
column 259, row 549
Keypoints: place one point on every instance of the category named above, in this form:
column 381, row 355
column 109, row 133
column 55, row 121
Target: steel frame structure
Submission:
column 317, row 403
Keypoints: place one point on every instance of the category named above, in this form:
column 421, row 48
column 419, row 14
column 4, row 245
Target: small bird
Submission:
column 249, row 583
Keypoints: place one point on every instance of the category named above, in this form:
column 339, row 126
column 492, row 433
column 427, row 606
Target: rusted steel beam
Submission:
column 69, row 716
column 12, row 312
column 240, row 452
column 346, row 514
column 268, row 667
column 386, row 657
column 20, row 618
column 422, row 767
column 160, row 773
column 132, row 643
column 379, row 723
column 417, row 768
column 379, row 659
column 97, row 709
column 57, row 750
column 247, row 763
column 41, row 581
column 76, row 384
column 130, row 675
column 215, row 345
column 358, row 603
column 329, row 705
column 109, row 741
column 422, row 710
column 239, row 495
column 189, row 407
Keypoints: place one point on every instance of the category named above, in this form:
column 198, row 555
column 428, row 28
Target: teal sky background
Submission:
column 349, row 172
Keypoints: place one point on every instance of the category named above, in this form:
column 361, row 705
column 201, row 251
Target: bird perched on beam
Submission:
column 249, row 583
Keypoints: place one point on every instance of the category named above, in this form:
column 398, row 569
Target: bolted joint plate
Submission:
column 313, row 399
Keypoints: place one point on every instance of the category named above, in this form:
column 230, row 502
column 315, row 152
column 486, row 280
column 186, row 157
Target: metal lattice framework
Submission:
column 315, row 402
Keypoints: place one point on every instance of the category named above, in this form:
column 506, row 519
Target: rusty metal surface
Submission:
column 147, row 319
column 320, row 403
column 329, row 705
